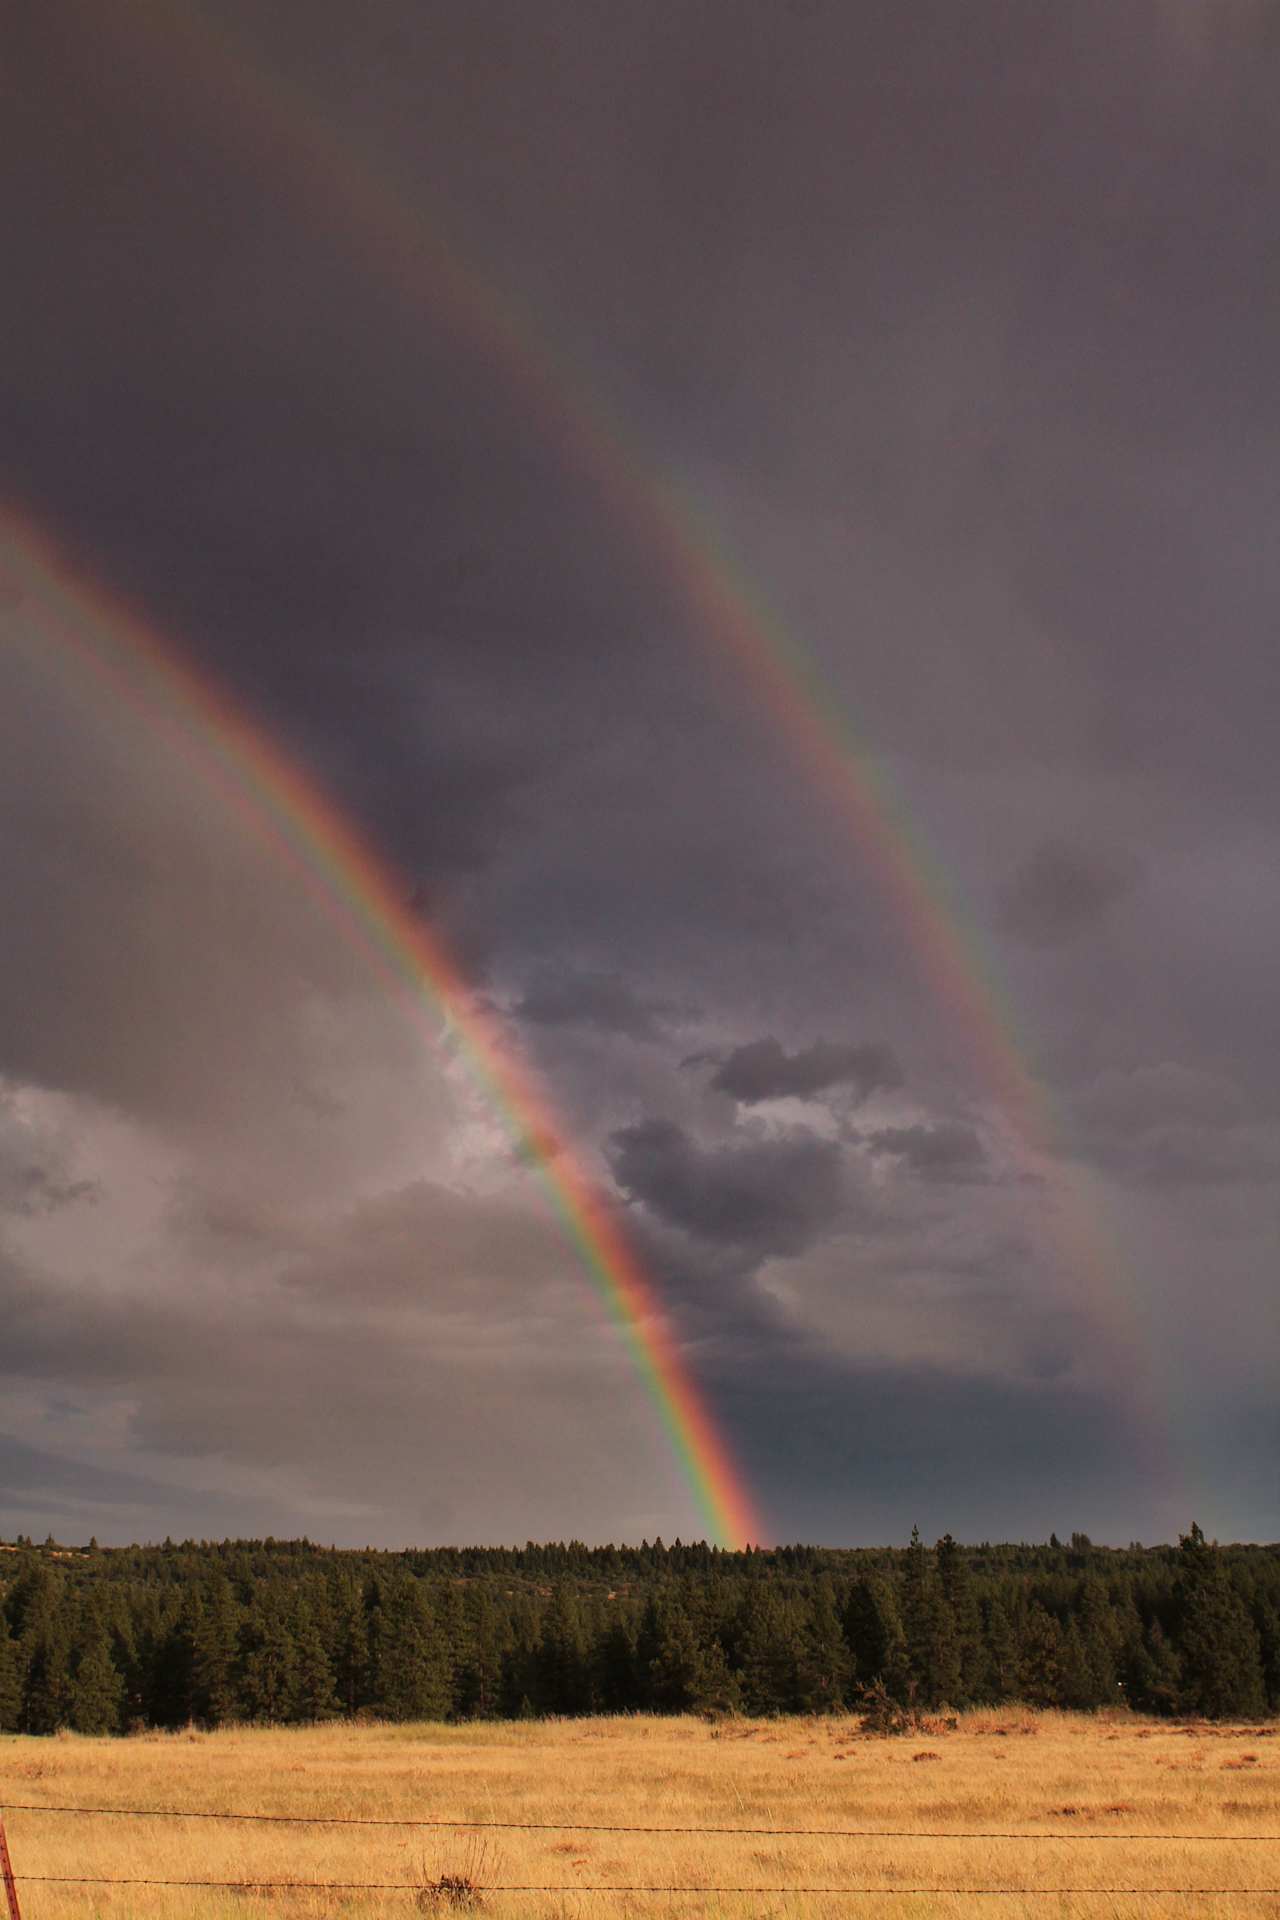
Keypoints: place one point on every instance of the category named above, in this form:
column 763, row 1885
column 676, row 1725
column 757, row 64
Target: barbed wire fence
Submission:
column 11, row 1878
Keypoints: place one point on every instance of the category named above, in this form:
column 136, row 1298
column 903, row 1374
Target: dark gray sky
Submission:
column 960, row 328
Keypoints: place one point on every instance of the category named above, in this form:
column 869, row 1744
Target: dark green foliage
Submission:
column 960, row 1595
column 873, row 1630
column 1041, row 1672
column 823, row 1668
column 1221, row 1656
column 215, row 1654
column 933, row 1654
column 97, row 1688
column 268, row 1661
column 107, row 1638
column 10, row 1682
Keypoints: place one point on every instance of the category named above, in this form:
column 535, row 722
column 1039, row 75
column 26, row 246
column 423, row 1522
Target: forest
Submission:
column 107, row 1640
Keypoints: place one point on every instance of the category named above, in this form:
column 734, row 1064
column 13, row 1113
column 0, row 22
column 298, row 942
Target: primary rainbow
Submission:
column 347, row 874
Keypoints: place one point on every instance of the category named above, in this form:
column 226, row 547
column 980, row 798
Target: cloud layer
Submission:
column 367, row 354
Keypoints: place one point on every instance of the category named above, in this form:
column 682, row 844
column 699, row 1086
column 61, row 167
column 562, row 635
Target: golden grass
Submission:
column 1047, row 1775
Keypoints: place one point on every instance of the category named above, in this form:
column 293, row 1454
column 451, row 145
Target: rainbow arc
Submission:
column 363, row 893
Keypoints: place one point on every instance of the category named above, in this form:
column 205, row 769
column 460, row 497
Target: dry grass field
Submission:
column 1056, row 1777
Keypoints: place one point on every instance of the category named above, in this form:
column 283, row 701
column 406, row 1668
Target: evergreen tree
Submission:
column 351, row 1661
column 1099, row 1632
column 478, row 1680
column 10, row 1681
column 770, row 1642
column 718, row 1688
column 823, row 1668
column 873, row 1631
column 97, row 1690
column 1221, row 1658
column 215, row 1653
column 1000, row 1649
column 617, row 1667
column 932, row 1657
column 1041, row 1667
column 675, row 1670
column 562, row 1671
column 268, row 1662
column 411, row 1674
column 961, row 1599
column 315, row 1696
column 45, row 1657
column 1266, row 1618
column 1154, row 1678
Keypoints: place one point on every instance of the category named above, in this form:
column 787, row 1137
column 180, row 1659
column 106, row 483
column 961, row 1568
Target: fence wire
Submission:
column 458, row 1824
column 668, row 1889
column 417, row 1886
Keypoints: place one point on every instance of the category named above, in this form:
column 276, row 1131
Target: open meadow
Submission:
column 1060, row 1784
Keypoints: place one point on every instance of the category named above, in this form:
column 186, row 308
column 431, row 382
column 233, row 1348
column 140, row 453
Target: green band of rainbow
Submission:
column 366, row 896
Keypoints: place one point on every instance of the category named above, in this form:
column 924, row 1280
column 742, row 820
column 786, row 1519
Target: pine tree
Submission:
column 10, row 1681
column 1266, row 1618
column 618, row 1682
column 562, row 1669
column 1099, row 1644
column 215, row 1650
column 675, row 1671
column 478, row 1680
column 315, row 1696
column 411, row 1675
column 1221, row 1658
column 351, row 1662
column 770, row 1642
column 45, row 1656
column 718, row 1688
column 932, row 1657
column 966, row 1615
column 1041, row 1667
column 1154, row 1673
column 268, row 1662
column 823, row 1669
column 97, row 1690
column 873, row 1631
column 1000, row 1649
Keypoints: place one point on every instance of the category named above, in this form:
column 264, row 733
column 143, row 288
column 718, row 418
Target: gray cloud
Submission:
column 946, row 1151
column 951, row 343
column 1173, row 1127
column 764, row 1070
column 1060, row 891
column 35, row 1165
column 600, row 1000
column 772, row 1195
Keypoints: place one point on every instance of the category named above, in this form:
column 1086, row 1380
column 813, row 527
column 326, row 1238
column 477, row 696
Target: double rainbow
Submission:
column 366, row 897
column 399, row 238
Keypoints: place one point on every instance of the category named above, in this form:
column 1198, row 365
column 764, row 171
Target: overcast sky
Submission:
column 957, row 330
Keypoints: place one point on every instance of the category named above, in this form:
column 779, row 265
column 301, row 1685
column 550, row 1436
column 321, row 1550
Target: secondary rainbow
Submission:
column 365, row 896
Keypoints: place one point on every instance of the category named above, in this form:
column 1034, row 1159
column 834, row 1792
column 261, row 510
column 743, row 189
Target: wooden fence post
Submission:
column 6, row 1874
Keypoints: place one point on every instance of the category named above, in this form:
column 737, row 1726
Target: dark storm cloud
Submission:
column 1174, row 1127
column 945, row 1152
column 1060, row 891
column 859, row 1451
column 35, row 1481
column 764, row 1070
column 949, row 336
column 771, row 1195
column 600, row 1000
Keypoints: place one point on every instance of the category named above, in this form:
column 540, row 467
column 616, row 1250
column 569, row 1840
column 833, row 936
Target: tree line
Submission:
column 119, row 1639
